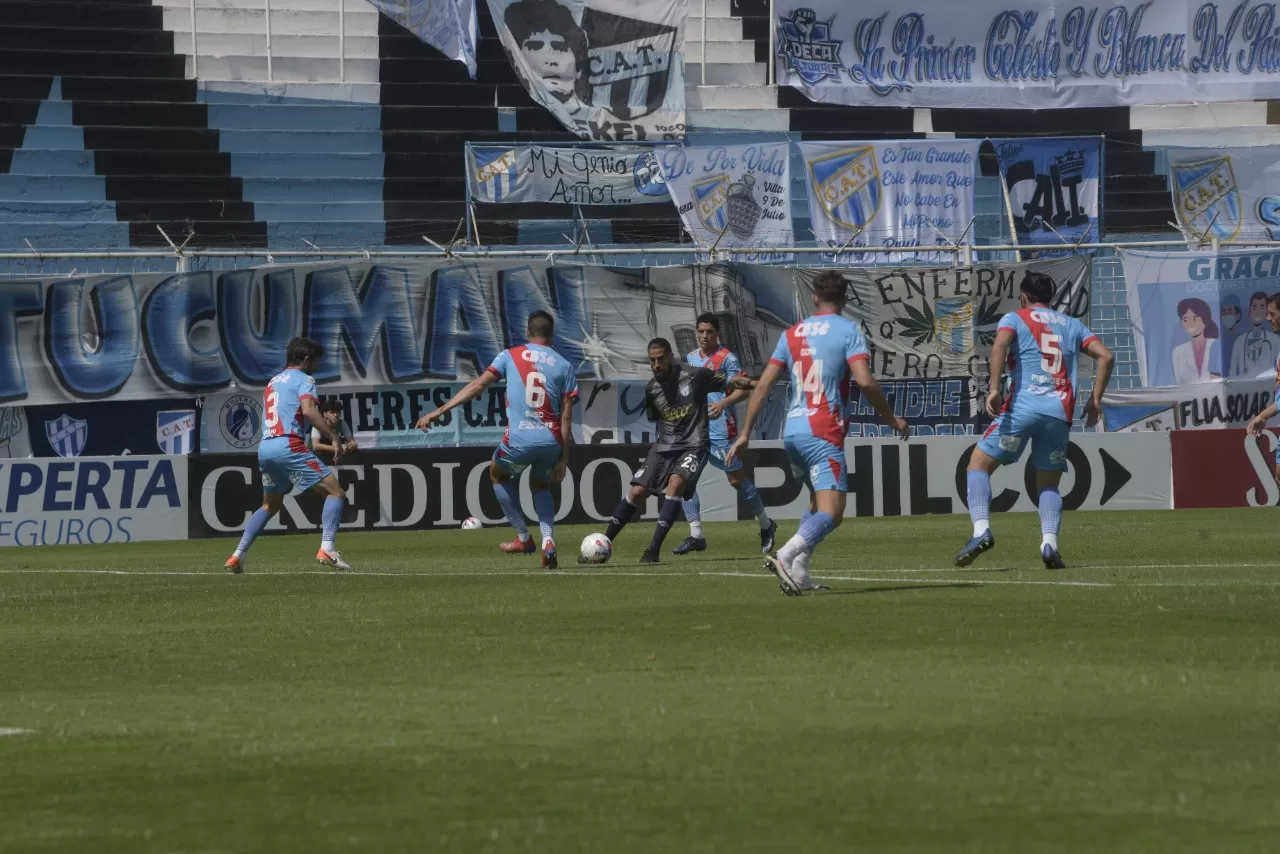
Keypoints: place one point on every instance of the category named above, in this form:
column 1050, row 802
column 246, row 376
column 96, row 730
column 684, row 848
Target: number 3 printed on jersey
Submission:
column 271, row 413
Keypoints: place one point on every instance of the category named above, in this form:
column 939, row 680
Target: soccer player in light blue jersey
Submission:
column 1259, row 422
column 819, row 354
column 1042, row 347
column 723, row 427
column 542, row 386
column 289, row 413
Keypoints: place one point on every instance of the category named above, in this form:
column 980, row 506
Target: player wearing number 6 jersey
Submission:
column 819, row 354
column 542, row 386
column 289, row 413
column 1042, row 347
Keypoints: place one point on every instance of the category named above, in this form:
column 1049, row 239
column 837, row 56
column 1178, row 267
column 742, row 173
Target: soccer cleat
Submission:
column 767, row 536
column 549, row 557
column 975, row 547
column 519, row 547
column 235, row 565
column 1051, row 558
column 801, row 562
column 785, row 582
column 333, row 559
column 650, row 557
column 691, row 544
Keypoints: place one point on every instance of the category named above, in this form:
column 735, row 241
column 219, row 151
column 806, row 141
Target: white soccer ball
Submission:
column 471, row 523
column 596, row 548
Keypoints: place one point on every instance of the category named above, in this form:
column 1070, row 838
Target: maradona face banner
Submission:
column 990, row 54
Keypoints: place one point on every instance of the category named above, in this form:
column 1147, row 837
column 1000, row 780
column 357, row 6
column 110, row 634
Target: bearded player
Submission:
column 542, row 386
column 1259, row 422
column 289, row 412
column 1042, row 348
column 820, row 354
column 723, row 428
column 676, row 398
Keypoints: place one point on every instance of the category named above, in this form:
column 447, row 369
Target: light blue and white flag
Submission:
column 449, row 26
column 572, row 175
column 1054, row 186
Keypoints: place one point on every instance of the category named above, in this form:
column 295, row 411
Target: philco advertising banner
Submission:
column 607, row 69
column 733, row 196
column 987, row 54
column 1054, row 186
column 1201, row 318
column 585, row 175
column 1226, row 193
column 899, row 195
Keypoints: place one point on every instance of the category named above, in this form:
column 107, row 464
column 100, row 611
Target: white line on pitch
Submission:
column 10, row 730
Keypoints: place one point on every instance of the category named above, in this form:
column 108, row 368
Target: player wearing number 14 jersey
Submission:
column 820, row 354
column 541, row 388
column 1042, row 347
column 289, row 413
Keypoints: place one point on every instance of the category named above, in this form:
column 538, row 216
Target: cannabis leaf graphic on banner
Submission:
column 989, row 315
column 917, row 325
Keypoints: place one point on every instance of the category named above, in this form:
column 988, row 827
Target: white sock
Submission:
column 981, row 527
column 793, row 547
column 524, row 538
column 695, row 530
column 1050, row 540
column 764, row 521
column 327, row 546
column 799, row 570
column 239, row 553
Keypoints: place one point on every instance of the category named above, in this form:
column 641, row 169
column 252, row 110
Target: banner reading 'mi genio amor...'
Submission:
column 1035, row 55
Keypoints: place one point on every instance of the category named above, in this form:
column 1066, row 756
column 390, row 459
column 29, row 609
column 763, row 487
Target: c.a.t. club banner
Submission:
column 1054, row 186
column 900, row 195
column 1227, row 193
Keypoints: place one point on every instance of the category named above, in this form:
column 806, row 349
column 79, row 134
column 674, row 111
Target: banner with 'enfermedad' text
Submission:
column 989, row 54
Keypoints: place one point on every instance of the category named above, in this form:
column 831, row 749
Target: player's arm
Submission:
column 466, row 394
column 999, row 357
column 761, row 387
column 1258, row 422
column 311, row 412
column 1106, row 361
column 318, row 443
column 871, row 390
column 566, row 433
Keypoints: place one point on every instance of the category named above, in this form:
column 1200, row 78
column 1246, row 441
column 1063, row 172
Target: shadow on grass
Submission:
column 902, row 588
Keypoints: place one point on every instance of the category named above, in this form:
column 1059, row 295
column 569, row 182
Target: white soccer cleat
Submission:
column 333, row 559
column 785, row 581
column 800, row 573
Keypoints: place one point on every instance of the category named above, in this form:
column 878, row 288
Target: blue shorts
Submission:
column 1009, row 434
column 538, row 459
column 817, row 462
column 285, row 468
column 717, row 458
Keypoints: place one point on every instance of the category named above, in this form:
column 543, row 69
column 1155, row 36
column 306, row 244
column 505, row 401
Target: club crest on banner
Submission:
column 648, row 175
column 806, row 46
column 495, row 174
column 848, row 184
column 630, row 62
column 1208, row 198
column 241, row 421
column 175, row 430
column 67, row 436
column 709, row 195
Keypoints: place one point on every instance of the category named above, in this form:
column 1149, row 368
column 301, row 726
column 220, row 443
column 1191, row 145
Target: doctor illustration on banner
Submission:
column 1193, row 361
column 1254, row 352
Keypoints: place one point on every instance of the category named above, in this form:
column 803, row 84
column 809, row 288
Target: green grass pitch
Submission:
column 447, row 697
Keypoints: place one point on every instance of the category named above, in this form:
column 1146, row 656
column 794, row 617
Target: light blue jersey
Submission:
column 818, row 354
column 283, row 456
column 539, row 383
column 723, row 430
column 1043, row 361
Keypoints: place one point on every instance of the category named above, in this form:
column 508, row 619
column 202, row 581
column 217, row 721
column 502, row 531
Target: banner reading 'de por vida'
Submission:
column 1227, row 193
column 899, row 195
column 989, row 54
column 1200, row 318
column 1054, row 187
column 607, row 69
column 585, row 175
column 733, row 195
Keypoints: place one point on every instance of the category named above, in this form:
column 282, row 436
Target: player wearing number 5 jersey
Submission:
column 289, row 413
column 542, row 386
column 1042, row 348
column 819, row 354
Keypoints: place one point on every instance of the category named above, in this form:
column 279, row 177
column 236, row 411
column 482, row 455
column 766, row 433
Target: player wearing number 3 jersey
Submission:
column 541, row 388
column 289, row 413
column 819, row 354
column 1042, row 348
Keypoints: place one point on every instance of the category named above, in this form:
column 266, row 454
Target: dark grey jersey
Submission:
column 679, row 405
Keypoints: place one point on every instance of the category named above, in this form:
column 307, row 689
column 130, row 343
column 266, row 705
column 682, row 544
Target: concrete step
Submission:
column 361, row 19
column 312, row 190
column 70, row 211
column 220, row 91
column 284, row 69
column 1183, row 116
column 352, row 6
column 720, row 52
column 292, row 117
column 329, row 211
column 37, row 163
column 306, row 145
column 761, row 120
column 70, row 235
column 730, row 97
column 726, row 74
column 52, row 188
column 699, row 9
column 358, row 234
column 720, row 29
column 255, row 44
column 254, row 164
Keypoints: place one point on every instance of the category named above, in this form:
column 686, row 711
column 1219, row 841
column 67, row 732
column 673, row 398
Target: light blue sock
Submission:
column 980, row 501
column 257, row 522
column 754, row 503
column 804, row 517
column 510, row 501
column 815, row 529
column 692, row 510
column 1050, row 515
column 330, row 518
column 546, row 509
